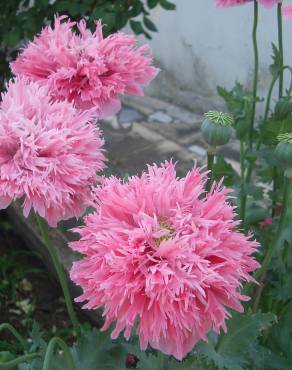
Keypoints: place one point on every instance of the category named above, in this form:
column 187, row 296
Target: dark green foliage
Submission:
column 238, row 102
column 21, row 21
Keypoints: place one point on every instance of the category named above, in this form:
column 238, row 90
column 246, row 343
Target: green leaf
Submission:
column 241, row 331
column 224, row 169
column 136, row 9
column 149, row 24
column 146, row 361
column 11, row 39
column 167, row 5
column 280, row 337
column 96, row 348
column 271, row 129
column 254, row 215
column 152, row 3
column 136, row 27
column 283, row 108
column 263, row 358
column 231, row 351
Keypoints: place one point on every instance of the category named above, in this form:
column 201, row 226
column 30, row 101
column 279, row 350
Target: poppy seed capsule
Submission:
column 283, row 152
column 216, row 128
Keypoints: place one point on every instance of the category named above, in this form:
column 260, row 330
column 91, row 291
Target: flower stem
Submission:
column 19, row 360
column 280, row 45
column 268, row 257
column 242, row 204
column 210, row 162
column 54, row 342
column 256, row 72
column 281, row 78
column 60, row 271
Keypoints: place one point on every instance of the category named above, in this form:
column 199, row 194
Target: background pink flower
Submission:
column 227, row 3
column 86, row 68
column 161, row 251
column 287, row 12
column 49, row 153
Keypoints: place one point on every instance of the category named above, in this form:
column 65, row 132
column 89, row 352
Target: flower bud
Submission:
column 216, row 128
column 283, row 152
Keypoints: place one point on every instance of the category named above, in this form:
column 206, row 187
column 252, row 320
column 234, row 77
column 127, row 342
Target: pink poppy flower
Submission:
column 161, row 252
column 86, row 68
column 49, row 153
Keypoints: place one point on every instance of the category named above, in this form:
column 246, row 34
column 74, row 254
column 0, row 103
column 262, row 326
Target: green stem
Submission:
column 256, row 72
column 11, row 364
column 54, row 342
column 268, row 257
column 281, row 78
column 280, row 45
column 60, row 271
column 242, row 204
column 14, row 332
column 210, row 162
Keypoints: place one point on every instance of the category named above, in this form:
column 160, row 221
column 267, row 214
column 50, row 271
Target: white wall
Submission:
column 199, row 46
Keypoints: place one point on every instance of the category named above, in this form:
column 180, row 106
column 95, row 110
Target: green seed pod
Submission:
column 283, row 108
column 283, row 150
column 216, row 128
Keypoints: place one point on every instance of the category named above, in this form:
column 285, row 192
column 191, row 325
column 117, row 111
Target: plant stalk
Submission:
column 14, row 332
column 256, row 72
column 268, row 257
column 242, row 203
column 19, row 360
column 280, row 46
column 60, row 271
column 54, row 342
column 211, row 152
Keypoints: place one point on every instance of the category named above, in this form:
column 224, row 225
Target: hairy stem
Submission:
column 60, row 271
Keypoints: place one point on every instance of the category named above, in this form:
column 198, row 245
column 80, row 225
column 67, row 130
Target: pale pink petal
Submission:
column 50, row 153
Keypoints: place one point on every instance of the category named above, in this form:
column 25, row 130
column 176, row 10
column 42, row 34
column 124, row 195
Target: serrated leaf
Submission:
column 241, row 331
column 149, row 24
column 146, row 361
column 276, row 57
column 271, row 129
column 231, row 351
column 96, row 348
column 280, row 336
column 263, row 358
